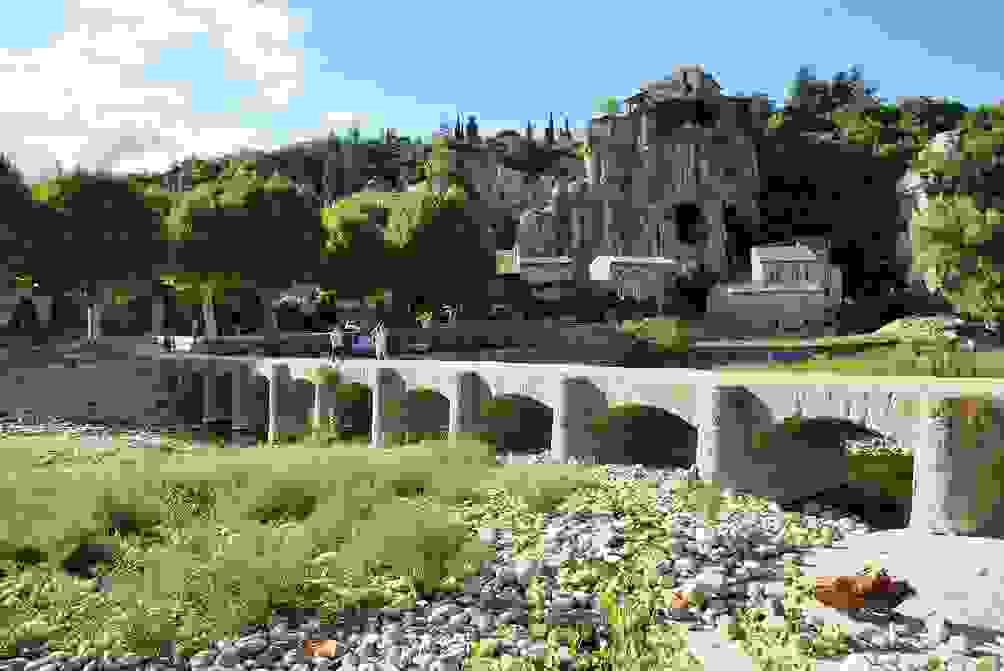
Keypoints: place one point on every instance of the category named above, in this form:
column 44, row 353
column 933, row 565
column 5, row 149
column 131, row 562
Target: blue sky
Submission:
column 128, row 85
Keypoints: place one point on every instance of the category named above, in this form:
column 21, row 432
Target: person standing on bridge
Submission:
column 337, row 337
column 379, row 335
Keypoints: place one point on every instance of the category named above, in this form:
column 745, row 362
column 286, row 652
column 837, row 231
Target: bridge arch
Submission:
column 647, row 435
column 518, row 425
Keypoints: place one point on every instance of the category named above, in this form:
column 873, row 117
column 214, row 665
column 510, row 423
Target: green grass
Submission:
column 903, row 359
column 219, row 539
column 669, row 334
column 917, row 347
column 503, row 262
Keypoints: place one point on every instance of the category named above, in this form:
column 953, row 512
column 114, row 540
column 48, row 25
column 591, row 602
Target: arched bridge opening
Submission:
column 879, row 484
column 517, row 425
column 643, row 435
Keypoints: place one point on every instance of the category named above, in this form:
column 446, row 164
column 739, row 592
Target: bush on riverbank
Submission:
column 669, row 334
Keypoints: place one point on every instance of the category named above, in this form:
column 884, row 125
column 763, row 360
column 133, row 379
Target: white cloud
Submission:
column 346, row 119
column 82, row 100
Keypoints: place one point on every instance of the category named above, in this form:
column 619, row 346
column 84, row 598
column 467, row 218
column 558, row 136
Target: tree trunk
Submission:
column 93, row 320
column 209, row 317
column 271, row 323
column 158, row 310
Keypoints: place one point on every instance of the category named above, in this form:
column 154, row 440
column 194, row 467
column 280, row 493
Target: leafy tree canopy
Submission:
column 426, row 244
column 957, row 241
column 224, row 232
column 950, row 238
column 108, row 231
column 607, row 105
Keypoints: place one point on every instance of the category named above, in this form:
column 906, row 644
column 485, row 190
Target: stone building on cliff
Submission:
column 672, row 176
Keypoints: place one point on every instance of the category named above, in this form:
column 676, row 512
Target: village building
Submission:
column 672, row 177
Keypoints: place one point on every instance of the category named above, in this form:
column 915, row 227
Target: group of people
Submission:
column 378, row 334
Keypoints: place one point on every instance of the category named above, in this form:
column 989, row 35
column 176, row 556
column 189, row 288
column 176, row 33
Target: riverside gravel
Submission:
column 732, row 564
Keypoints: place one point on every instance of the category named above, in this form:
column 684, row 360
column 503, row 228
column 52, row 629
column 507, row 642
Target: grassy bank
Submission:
column 914, row 347
column 217, row 539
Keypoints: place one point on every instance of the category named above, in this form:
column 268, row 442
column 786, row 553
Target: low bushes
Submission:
column 206, row 541
column 210, row 540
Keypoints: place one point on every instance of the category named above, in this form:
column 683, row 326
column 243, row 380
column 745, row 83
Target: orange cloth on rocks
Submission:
column 322, row 648
column 845, row 592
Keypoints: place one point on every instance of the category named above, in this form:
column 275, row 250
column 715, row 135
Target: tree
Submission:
column 402, row 242
column 607, row 105
column 109, row 237
column 223, row 235
column 550, row 129
column 22, row 225
column 958, row 239
column 472, row 128
column 443, row 233
column 957, row 246
column 795, row 88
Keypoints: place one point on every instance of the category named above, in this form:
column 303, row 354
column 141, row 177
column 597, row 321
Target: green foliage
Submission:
column 423, row 230
column 669, row 334
column 220, row 232
column 220, row 540
column 607, row 105
column 90, row 216
column 947, row 239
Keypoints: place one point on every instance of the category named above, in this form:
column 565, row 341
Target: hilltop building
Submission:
column 673, row 176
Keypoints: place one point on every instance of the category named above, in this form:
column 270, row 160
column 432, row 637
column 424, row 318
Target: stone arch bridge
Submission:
column 741, row 427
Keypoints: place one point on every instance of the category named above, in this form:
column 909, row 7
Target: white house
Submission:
column 639, row 277
column 794, row 288
column 793, row 264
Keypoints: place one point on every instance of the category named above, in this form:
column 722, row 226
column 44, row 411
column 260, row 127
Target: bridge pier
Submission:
column 324, row 404
column 724, row 432
column 957, row 488
column 932, row 470
column 578, row 403
column 465, row 406
column 744, row 452
column 275, row 380
column 241, row 407
column 209, row 386
column 388, row 394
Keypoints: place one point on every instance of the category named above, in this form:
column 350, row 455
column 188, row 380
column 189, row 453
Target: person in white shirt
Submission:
column 337, row 337
column 379, row 335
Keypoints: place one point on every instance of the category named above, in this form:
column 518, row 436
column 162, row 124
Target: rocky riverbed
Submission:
column 737, row 565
